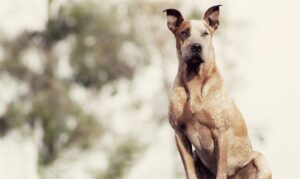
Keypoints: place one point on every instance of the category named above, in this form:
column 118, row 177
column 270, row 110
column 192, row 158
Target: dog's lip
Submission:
column 195, row 59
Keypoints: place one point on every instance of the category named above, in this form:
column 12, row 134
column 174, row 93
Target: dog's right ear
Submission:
column 211, row 16
column 174, row 19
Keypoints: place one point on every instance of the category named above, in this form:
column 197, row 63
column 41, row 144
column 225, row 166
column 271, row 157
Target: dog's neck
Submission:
column 192, row 68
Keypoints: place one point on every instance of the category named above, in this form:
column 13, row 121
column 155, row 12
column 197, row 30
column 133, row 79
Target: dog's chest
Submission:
column 199, row 135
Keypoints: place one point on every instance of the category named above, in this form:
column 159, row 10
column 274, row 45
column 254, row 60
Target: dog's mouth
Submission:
column 194, row 63
column 195, row 59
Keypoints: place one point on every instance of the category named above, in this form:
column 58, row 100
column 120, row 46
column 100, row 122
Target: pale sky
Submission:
column 17, row 15
column 269, row 94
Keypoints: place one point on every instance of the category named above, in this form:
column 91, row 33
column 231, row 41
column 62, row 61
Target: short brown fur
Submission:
column 202, row 113
column 185, row 25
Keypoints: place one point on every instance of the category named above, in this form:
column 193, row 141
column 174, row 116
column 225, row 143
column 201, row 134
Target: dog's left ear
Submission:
column 211, row 17
column 174, row 19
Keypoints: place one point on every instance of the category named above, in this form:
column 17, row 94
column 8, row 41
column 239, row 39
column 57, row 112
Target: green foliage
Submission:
column 121, row 158
column 95, row 39
column 94, row 55
column 94, row 60
column 195, row 14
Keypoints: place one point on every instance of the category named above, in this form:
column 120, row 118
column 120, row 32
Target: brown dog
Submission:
column 201, row 112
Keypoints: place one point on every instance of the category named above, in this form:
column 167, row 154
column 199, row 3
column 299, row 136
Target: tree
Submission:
column 93, row 57
column 95, row 43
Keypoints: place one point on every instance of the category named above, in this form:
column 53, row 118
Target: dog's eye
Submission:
column 185, row 33
column 204, row 34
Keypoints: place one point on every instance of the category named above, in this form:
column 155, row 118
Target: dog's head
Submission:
column 194, row 37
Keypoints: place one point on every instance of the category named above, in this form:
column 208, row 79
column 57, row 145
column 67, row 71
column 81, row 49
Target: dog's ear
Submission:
column 174, row 19
column 211, row 16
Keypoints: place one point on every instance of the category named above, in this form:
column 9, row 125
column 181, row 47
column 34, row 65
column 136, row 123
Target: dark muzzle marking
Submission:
column 195, row 60
column 195, row 54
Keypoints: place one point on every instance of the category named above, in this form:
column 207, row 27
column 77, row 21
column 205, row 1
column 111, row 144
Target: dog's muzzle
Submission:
column 195, row 54
column 195, row 59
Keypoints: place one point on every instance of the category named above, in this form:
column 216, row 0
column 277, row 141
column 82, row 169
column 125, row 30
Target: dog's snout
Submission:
column 196, row 48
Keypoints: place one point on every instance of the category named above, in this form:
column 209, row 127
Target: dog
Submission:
column 201, row 112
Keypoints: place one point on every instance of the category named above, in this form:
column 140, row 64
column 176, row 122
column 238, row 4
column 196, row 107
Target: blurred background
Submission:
column 84, row 85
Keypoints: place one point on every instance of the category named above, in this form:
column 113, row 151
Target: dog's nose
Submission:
column 196, row 47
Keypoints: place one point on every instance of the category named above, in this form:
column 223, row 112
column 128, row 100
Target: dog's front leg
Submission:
column 178, row 99
column 222, row 148
column 186, row 153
